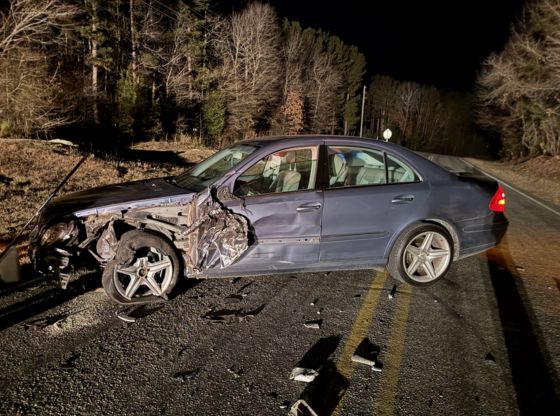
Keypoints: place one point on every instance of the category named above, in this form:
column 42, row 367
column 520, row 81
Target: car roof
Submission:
column 318, row 138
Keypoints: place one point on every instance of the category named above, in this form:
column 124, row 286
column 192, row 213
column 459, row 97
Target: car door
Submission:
column 279, row 197
column 369, row 195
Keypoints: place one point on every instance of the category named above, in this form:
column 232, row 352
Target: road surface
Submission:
column 485, row 340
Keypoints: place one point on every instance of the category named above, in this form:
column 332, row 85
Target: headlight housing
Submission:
column 59, row 232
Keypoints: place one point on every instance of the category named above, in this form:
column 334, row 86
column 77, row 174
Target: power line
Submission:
column 159, row 11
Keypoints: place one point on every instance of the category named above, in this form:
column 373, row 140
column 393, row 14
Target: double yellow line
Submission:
column 392, row 358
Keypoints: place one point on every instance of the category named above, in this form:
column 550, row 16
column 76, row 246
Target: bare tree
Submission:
column 518, row 91
column 30, row 23
column 247, row 44
column 322, row 83
column 31, row 100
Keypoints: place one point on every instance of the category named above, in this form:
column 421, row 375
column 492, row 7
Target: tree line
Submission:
column 422, row 117
column 518, row 91
column 106, row 69
column 145, row 68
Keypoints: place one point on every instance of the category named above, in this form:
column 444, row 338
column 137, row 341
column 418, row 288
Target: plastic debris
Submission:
column 306, row 375
column 301, row 408
column 313, row 324
column 357, row 359
column 366, row 353
column 393, row 292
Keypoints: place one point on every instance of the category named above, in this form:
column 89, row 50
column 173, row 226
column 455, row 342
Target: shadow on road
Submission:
column 324, row 393
column 533, row 380
column 49, row 298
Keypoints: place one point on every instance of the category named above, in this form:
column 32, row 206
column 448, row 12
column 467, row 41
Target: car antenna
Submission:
column 51, row 196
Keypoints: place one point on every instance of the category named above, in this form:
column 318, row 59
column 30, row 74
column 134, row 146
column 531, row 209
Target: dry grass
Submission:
column 30, row 170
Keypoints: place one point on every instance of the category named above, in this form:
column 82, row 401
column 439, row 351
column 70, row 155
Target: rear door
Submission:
column 368, row 197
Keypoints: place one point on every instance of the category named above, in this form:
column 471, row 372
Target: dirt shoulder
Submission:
column 31, row 169
column 539, row 176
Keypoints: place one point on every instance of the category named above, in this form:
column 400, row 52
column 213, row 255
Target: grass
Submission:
column 30, row 170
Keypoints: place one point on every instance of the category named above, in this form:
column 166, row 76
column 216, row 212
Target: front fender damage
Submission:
column 205, row 232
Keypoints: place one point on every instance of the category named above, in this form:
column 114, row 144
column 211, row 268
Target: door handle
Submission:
column 309, row 207
column 403, row 199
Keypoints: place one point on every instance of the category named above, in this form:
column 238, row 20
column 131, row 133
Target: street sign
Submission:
column 387, row 134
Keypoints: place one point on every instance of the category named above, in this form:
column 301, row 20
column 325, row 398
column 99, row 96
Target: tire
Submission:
column 145, row 269
column 412, row 255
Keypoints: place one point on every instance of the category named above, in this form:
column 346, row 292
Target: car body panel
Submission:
column 359, row 222
column 285, row 232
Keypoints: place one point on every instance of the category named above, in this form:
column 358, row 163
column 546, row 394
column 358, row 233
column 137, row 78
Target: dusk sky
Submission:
column 439, row 43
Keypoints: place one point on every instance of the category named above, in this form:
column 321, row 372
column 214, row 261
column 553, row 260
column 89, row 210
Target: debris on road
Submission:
column 367, row 353
column 520, row 268
column 219, row 315
column 123, row 316
column 301, row 408
column 306, row 375
column 236, row 373
column 314, row 302
column 393, row 292
column 313, row 324
column 186, row 375
column 285, row 404
column 357, row 359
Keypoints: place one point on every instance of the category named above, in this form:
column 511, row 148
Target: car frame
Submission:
column 310, row 203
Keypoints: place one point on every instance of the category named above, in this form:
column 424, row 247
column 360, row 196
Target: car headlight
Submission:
column 59, row 232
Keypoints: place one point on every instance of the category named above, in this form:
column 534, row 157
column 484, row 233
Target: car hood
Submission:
column 120, row 196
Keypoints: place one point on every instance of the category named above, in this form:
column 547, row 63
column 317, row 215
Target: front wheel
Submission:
column 421, row 255
column 145, row 268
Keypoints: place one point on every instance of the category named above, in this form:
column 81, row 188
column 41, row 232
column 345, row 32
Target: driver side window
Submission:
column 284, row 171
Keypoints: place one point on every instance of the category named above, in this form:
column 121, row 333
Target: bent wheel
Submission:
column 145, row 268
column 421, row 255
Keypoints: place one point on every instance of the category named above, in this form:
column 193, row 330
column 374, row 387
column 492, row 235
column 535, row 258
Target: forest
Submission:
column 113, row 71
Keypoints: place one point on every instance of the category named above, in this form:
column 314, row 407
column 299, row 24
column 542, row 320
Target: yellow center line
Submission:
column 359, row 330
column 385, row 403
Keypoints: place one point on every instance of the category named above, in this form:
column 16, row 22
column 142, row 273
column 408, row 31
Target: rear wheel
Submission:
column 145, row 268
column 422, row 255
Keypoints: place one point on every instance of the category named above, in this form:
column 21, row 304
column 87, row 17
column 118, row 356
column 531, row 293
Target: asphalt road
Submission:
column 486, row 340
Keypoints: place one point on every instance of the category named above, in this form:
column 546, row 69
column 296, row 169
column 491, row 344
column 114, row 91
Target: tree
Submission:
column 518, row 90
column 31, row 101
column 247, row 45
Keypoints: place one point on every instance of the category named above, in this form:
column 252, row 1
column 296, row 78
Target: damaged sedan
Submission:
column 274, row 205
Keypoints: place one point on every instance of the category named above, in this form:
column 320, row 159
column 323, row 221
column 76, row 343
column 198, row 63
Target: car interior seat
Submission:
column 354, row 167
column 370, row 175
column 289, row 178
column 338, row 169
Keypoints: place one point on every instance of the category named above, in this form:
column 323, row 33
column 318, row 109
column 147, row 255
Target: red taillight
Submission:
column 498, row 202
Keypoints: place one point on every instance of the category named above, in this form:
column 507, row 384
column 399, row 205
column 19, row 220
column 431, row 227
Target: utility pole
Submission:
column 345, row 119
column 362, row 116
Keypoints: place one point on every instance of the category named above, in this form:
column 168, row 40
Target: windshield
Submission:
column 208, row 171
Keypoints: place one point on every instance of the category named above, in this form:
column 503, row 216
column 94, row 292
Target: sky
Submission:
column 430, row 42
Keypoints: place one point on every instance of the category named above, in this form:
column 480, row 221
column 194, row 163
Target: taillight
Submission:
column 498, row 201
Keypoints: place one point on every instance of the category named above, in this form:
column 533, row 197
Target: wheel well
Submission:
column 451, row 230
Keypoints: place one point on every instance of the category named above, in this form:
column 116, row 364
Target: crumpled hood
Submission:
column 115, row 197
